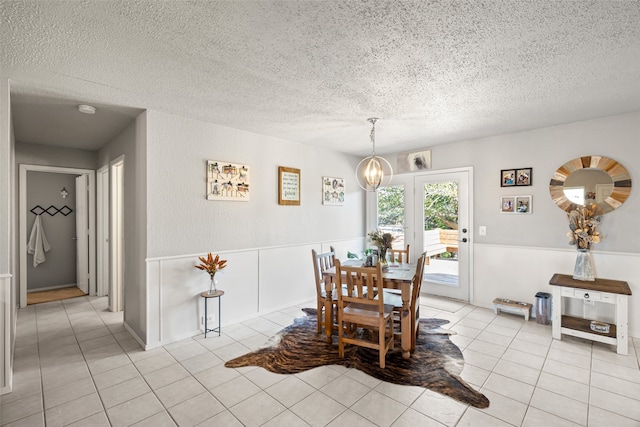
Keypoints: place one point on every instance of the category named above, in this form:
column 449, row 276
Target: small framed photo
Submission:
column 523, row 176
column 332, row 191
column 507, row 204
column 523, row 205
column 507, row 178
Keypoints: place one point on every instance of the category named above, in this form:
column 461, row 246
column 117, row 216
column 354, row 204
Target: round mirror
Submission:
column 588, row 181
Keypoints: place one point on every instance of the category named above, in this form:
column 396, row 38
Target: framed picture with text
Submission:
column 288, row 186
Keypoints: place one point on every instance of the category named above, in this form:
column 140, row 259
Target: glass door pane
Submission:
column 391, row 213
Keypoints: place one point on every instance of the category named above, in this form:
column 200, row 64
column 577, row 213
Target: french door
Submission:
column 442, row 225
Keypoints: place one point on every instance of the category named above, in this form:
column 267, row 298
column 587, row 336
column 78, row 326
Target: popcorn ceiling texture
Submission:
column 314, row 71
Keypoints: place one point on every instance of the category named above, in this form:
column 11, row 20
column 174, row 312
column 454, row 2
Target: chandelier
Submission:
column 373, row 171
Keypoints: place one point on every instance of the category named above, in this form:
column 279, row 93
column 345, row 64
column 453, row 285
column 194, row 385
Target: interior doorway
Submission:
column 116, row 239
column 86, row 217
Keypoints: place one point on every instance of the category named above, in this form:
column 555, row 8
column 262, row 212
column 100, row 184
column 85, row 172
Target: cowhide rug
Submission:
column 436, row 363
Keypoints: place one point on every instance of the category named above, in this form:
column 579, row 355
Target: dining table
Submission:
column 395, row 276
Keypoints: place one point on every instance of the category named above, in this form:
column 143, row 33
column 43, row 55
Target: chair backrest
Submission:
column 417, row 279
column 399, row 255
column 322, row 262
column 361, row 285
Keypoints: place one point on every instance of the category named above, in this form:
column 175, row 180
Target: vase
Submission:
column 584, row 269
column 212, row 285
column 383, row 257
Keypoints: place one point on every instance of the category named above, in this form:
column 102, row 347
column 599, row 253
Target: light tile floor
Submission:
column 75, row 364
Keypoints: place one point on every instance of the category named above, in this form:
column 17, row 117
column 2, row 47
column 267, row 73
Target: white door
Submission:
column 102, row 226
column 442, row 227
column 82, row 234
column 116, row 290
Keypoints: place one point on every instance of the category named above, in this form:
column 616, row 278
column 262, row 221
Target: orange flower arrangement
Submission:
column 211, row 265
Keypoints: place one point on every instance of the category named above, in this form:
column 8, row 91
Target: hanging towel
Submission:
column 38, row 243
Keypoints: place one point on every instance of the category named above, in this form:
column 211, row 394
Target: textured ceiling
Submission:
column 314, row 71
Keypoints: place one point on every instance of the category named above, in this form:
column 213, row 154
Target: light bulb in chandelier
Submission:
column 373, row 171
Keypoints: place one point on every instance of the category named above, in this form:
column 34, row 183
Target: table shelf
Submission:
column 584, row 325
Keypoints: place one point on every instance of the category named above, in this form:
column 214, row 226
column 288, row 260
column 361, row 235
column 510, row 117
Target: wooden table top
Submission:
column 395, row 272
column 602, row 285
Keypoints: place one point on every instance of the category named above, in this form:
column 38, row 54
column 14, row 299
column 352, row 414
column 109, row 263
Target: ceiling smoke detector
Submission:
column 86, row 109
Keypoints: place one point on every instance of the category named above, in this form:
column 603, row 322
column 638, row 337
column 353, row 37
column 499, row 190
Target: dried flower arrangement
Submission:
column 381, row 240
column 211, row 265
column 583, row 225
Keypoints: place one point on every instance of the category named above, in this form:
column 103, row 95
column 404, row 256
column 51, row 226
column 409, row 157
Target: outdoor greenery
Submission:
column 441, row 205
column 391, row 206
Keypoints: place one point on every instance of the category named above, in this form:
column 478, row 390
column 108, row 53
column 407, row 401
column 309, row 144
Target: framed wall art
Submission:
column 515, row 177
column 413, row 161
column 332, row 191
column 288, row 186
column 227, row 181
column 523, row 204
column 507, row 203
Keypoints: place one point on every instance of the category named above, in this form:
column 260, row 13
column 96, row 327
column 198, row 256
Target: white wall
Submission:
column 520, row 253
column 268, row 246
column 132, row 143
column 182, row 221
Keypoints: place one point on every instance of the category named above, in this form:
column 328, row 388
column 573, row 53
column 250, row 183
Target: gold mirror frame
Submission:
column 618, row 173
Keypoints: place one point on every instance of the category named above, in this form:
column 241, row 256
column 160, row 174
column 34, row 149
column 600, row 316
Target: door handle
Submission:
column 464, row 240
column 74, row 238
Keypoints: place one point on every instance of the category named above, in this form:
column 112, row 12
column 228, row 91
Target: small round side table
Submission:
column 206, row 295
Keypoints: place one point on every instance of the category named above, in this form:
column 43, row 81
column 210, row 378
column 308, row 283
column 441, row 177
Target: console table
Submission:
column 600, row 290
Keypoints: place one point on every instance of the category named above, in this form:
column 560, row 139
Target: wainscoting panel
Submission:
column 255, row 282
column 518, row 273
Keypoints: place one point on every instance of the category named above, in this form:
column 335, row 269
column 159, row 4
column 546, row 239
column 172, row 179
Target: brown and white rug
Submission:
column 436, row 363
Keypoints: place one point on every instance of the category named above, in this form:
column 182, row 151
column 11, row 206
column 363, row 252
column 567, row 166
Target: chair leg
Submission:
column 320, row 308
column 340, row 334
column 382, row 343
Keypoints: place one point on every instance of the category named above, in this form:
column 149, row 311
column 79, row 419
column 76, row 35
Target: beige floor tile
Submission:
column 560, row 406
column 504, row 408
column 401, row 393
column 318, row 409
column 601, row 417
column 154, row 363
column 351, row 419
column 412, row 418
column 213, row 377
column 134, row 410
column 564, row 387
column 122, row 392
column 439, row 407
column 509, row 387
column 616, row 385
column 263, row 378
column 115, row 376
column 615, row 403
column 480, row 360
column 201, row 362
column 73, row 411
column 66, row 374
column 474, row 375
column 577, row 359
column 235, row 391
column 566, row 370
column 21, row 408
column 476, row 418
column 22, row 389
column 108, row 363
column 290, row 391
column 187, row 351
column 345, row 390
column 524, row 358
column 161, row 419
column 319, row 377
column 231, row 351
column 195, row 410
column 257, row 410
column 494, row 338
column 224, row 418
column 167, row 375
column 537, row 418
column 179, row 391
column 616, row 370
column 466, row 331
column 517, row 372
column 35, row 420
column 487, row 348
column 68, row 392
column 529, row 347
column 96, row 420
column 285, row 419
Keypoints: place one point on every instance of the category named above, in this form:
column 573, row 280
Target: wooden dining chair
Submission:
column 322, row 262
column 359, row 307
column 395, row 299
column 399, row 255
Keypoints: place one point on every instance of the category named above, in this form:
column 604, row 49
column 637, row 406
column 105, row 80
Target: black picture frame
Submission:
column 507, row 178
column 524, row 177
